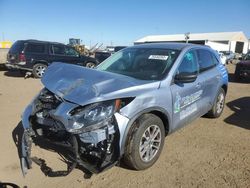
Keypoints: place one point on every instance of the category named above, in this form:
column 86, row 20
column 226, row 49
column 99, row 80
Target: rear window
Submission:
column 58, row 50
column 17, row 47
column 35, row 48
column 215, row 59
column 205, row 60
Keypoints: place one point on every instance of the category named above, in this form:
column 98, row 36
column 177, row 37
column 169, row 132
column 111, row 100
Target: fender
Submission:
column 35, row 61
column 136, row 116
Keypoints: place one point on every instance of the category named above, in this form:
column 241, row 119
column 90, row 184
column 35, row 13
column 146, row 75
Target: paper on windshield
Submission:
column 158, row 57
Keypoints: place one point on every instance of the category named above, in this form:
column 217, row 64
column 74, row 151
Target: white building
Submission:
column 248, row 44
column 223, row 41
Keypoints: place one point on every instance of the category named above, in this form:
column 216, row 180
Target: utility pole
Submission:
column 187, row 36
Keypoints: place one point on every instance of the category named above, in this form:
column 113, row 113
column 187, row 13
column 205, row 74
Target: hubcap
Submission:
column 90, row 65
column 220, row 103
column 150, row 143
column 40, row 70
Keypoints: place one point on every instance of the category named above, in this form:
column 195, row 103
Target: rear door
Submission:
column 35, row 51
column 207, row 63
column 187, row 97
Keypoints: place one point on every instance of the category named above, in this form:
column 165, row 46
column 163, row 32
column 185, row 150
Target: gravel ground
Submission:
column 207, row 153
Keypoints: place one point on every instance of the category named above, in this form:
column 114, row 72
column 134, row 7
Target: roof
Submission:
column 40, row 41
column 221, row 36
column 166, row 45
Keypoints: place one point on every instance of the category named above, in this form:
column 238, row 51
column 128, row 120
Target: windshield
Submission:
column 141, row 63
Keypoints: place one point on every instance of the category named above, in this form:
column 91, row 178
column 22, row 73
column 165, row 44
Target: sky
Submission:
column 114, row 22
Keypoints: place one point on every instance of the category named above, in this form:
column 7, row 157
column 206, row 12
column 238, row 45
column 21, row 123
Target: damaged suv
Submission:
column 124, row 108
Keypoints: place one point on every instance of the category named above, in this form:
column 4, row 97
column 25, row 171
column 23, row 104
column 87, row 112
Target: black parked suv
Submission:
column 242, row 69
column 35, row 56
column 100, row 56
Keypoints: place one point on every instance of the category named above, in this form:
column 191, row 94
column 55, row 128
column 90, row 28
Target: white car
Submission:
column 223, row 58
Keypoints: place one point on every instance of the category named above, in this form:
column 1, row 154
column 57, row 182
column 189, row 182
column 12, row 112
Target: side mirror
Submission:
column 185, row 77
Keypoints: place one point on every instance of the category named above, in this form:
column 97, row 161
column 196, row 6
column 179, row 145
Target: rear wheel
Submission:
column 145, row 143
column 218, row 105
column 39, row 70
column 90, row 64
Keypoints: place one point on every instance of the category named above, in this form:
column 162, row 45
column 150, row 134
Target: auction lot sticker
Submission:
column 158, row 57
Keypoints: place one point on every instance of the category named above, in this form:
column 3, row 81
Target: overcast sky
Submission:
column 118, row 22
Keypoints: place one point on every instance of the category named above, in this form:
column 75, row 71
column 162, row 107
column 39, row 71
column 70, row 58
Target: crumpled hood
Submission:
column 83, row 86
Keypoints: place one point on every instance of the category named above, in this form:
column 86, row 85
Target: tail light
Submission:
column 22, row 57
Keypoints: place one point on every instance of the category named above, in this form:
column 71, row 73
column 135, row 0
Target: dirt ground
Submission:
column 207, row 153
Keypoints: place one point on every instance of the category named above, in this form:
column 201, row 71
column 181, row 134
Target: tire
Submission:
column 90, row 64
column 39, row 70
column 138, row 148
column 218, row 105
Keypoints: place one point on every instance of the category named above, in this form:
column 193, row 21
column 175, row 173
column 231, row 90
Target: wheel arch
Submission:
column 163, row 117
column 159, row 112
column 224, row 87
column 40, row 61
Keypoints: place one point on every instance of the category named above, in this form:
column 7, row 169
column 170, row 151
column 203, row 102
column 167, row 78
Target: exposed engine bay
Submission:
column 89, row 136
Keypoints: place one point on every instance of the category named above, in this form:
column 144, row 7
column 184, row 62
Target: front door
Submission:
column 187, row 96
column 61, row 53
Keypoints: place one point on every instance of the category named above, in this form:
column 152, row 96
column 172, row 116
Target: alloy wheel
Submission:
column 220, row 103
column 150, row 143
column 40, row 70
column 90, row 65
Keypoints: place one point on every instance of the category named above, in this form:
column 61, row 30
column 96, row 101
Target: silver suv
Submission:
column 124, row 108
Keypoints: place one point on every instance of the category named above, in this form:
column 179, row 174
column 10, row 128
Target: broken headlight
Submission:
column 92, row 117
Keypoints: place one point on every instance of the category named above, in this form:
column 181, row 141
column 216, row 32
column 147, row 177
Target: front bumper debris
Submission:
column 92, row 151
column 26, row 141
column 26, row 152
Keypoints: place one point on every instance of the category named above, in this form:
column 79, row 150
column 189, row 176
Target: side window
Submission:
column 71, row 52
column 35, row 48
column 58, row 50
column 215, row 59
column 205, row 60
column 188, row 64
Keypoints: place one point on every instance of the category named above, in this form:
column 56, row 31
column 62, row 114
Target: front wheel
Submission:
column 145, row 143
column 39, row 70
column 218, row 105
